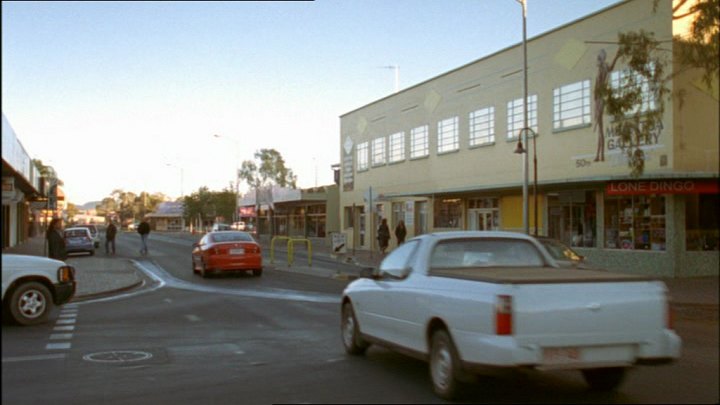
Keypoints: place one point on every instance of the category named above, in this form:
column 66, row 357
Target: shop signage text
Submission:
column 662, row 187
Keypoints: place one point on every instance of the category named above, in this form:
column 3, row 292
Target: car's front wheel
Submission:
column 30, row 303
column 352, row 341
column 604, row 379
column 444, row 366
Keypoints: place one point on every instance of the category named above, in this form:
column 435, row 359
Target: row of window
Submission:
column 571, row 109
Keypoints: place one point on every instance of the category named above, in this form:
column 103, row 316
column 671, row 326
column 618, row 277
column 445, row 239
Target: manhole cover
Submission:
column 117, row 356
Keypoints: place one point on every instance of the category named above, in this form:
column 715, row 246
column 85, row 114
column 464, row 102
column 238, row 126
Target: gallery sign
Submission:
column 662, row 187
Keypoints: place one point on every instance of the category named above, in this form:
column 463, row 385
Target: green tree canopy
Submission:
column 268, row 168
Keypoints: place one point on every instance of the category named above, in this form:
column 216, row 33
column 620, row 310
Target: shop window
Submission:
column 398, row 213
column 702, row 222
column 572, row 217
column 448, row 212
column 635, row 222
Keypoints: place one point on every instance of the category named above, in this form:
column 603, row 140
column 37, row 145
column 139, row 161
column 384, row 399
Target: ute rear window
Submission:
column 467, row 253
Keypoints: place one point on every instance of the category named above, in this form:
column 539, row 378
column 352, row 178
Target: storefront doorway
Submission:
column 483, row 219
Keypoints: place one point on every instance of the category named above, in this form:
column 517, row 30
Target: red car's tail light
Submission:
column 503, row 315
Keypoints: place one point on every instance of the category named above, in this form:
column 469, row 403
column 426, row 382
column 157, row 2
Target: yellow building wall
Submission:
column 511, row 208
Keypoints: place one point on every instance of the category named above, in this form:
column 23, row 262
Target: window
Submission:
column 482, row 126
column 448, row 213
column 448, row 138
column 397, row 147
column 571, row 105
column 621, row 79
column 362, row 156
column 702, row 223
column 378, row 151
column 635, row 222
column 572, row 217
column 515, row 116
column 419, row 142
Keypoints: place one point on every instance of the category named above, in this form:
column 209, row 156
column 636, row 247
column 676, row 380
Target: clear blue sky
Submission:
column 129, row 94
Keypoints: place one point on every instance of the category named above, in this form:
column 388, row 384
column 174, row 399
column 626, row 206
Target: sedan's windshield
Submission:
column 463, row 253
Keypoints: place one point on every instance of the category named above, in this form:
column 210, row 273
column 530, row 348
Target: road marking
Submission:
column 192, row 318
column 33, row 358
column 65, row 321
column 58, row 346
column 69, row 327
column 60, row 336
column 73, row 315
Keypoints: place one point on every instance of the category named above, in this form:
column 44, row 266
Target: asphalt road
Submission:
column 273, row 339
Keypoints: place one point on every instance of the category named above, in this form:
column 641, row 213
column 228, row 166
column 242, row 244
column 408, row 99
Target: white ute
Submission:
column 472, row 301
column 31, row 285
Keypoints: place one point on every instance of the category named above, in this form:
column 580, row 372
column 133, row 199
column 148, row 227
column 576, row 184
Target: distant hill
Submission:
column 88, row 205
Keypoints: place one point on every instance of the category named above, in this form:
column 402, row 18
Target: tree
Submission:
column 71, row 210
column 702, row 49
column 270, row 170
column 637, row 102
column 209, row 205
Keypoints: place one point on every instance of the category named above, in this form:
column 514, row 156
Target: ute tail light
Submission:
column 503, row 315
column 669, row 313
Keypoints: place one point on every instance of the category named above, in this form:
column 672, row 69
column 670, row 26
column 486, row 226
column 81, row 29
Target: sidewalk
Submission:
column 99, row 274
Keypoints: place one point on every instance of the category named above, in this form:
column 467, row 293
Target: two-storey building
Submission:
column 440, row 155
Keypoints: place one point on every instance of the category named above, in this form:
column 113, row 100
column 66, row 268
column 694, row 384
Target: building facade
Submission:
column 22, row 190
column 441, row 155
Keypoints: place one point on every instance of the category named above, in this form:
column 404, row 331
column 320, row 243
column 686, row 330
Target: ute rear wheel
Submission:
column 604, row 379
column 445, row 366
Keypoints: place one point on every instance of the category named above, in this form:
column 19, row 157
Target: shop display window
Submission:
column 702, row 222
column 572, row 217
column 635, row 222
column 448, row 213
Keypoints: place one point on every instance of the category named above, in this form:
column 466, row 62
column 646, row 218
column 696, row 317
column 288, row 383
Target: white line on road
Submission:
column 33, row 358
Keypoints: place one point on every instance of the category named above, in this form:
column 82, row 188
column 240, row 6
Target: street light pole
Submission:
column 526, row 225
column 237, row 174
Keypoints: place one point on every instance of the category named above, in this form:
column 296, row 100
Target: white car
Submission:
column 93, row 233
column 32, row 285
column 475, row 301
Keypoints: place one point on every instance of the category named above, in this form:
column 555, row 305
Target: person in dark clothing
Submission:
column 110, row 234
column 144, row 231
column 56, row 240
column 400, row 232
column 383, row 235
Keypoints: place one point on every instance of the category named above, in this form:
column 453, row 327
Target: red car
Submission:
column 227, row 251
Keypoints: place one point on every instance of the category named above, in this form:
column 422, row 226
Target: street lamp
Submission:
column 237, row 173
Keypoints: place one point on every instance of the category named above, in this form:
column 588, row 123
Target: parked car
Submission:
column 220, row 227
column 79, row 239
column 31, row 285
column 224, row 251
column 563, row 254
column 93, row 232
column 472, row 301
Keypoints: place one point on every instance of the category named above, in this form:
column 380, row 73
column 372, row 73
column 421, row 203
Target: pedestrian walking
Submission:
column 383, row 235
column 110, row 234
column 56, row 240
column 144, row 231
column 400, row 232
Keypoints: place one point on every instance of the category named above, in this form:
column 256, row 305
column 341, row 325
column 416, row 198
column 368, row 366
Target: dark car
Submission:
column 79, row 240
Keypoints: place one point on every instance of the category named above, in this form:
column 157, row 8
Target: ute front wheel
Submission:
column 30, row 303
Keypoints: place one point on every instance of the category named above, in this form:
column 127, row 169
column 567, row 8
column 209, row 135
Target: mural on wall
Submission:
column 601, row 83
